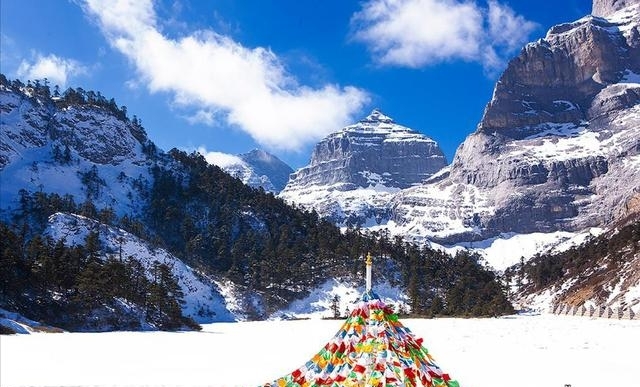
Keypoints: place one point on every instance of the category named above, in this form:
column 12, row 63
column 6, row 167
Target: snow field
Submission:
column 523, row 351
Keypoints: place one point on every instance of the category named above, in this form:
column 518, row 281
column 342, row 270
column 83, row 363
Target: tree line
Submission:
column 40, row 88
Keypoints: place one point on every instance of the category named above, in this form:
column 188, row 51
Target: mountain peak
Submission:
column 257, row 154
column 377, row 116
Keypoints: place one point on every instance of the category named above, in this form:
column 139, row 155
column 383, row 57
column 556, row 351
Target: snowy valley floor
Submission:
column 523, row 351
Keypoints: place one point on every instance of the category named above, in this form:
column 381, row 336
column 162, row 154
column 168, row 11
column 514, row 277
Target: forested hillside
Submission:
column 73, row 288
column 596, row 273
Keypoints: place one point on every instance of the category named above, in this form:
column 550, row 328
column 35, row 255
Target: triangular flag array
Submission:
column 371, row 349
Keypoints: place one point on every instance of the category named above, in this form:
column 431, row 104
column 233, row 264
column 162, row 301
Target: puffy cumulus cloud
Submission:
column 56, row 69
column 417, row 33
column 247, row 87
column 223, row 160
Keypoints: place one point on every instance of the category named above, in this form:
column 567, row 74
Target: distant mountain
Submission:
column 257, row 169
column 266, row 164
column 354, row 172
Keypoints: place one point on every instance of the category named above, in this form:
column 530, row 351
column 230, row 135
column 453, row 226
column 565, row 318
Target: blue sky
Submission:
column 233, row 75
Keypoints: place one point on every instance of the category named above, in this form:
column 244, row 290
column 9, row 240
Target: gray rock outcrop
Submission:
column 557, row 78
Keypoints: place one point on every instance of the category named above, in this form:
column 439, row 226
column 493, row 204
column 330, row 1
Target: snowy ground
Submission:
column 523, row 351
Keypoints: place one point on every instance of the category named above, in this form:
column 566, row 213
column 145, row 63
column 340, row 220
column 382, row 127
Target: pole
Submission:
column 368, row 272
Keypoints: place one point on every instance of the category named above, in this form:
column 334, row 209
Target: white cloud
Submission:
column 223, row 160
column 506, row 29
column 206, row 117
column 56, row 69
column 208, row 72
column 417, row 33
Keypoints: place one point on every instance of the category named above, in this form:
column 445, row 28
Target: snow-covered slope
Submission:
column 80, row 150
column 355, row 171
column 507, row 250
column 603, row 272
column 203, row 300
column 257, row 168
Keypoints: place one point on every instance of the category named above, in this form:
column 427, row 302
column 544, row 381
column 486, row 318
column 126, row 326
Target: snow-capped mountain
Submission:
column 354, row 172
column 555, row 158
column 257, row 168
column 266, row 164
column 87, row 156
column 558, row 147
column 554, row 163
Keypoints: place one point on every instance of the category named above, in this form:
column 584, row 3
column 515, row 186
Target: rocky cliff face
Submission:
column 354, row 171
column 557, row 78
column 558, row 147
column 31, row 122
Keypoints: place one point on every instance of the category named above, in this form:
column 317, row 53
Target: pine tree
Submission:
column 335, row 306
